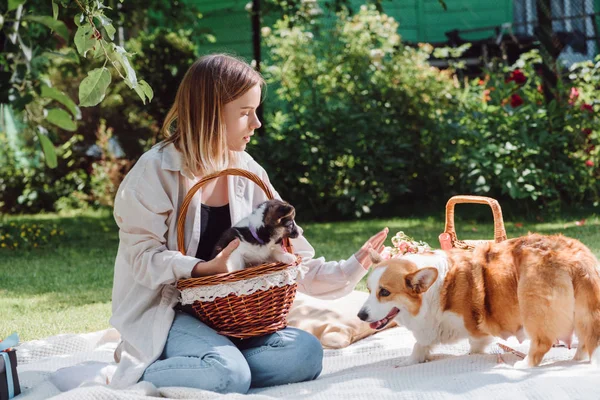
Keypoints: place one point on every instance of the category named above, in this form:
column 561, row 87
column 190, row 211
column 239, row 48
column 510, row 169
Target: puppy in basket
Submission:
column 261, row 235
column 543, row 287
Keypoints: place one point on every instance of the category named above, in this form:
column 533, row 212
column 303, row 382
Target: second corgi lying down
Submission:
column 543, row 287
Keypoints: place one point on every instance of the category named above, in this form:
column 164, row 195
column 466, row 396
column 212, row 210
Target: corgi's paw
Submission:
column 523, row 364
column 581, row 354
column 478, row 345
column 408, row 362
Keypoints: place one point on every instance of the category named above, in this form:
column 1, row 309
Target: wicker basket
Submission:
column 448, row 239
column 243, row 316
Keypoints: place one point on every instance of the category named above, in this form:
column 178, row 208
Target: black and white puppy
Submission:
column 261, row 235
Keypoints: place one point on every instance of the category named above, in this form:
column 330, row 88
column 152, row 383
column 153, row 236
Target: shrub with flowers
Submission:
column 514, row 143
column 403, row 244
column 16, row 236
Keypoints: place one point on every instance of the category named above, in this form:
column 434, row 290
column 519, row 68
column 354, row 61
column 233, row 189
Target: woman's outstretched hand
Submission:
column 217, row 265
column 374, row 243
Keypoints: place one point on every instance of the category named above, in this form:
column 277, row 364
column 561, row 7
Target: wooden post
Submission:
column 256, row 32
column 547, row 48
column 256, row 39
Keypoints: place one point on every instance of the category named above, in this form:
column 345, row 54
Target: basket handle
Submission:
column 499, row 230
column 188, row 199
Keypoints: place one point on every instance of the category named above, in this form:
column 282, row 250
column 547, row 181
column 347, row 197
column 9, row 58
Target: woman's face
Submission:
column 241, row 120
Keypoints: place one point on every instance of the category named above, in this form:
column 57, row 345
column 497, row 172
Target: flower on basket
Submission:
column 404, row 244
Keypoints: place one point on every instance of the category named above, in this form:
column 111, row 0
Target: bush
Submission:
column 354, row 116
column 358, row 120
column 26, row 184
column 517, row 145
column 80, row 180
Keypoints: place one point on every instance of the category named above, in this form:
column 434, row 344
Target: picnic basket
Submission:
column 449, row 240
column 242, row 304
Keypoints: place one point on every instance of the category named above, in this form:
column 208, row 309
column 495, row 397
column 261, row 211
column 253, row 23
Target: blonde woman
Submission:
column 207, row 130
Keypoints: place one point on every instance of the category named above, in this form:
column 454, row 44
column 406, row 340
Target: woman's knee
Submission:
column 310, row 351
column 214, row 372
column 288, row 356
column 232, row 375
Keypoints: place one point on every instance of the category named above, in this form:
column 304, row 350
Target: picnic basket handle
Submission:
column 499, row 230
column 188, row 199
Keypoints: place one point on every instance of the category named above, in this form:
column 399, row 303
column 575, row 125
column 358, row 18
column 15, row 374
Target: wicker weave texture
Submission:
column 256, row 314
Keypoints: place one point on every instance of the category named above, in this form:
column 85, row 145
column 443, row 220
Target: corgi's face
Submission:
column 395, row 286
column 279, row 218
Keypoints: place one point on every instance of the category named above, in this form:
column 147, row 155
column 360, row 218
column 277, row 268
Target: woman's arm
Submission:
column 142, row 221
column 330, row 279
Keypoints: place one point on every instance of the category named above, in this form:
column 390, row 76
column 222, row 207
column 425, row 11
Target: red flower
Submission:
column 590, row 149
column 586, row 131
column 589, row 163
column 517, row 76
column 574, row 95
column 515, row 100
column 587, row 107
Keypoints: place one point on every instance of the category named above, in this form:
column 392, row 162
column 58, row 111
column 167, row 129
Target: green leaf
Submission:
column 110, row 31
column 84, row 40
column 121, row 57
column 78, row 19
column 13, row 4
column 9, row 125
column 147, row 89
column 69, row 55
column 140, row 93
column 1, row 21
column 49, row 151
column 55, row 94
column 93, row 88
column 61, row 118
column 100, row 5
column 54, row 10
column 57, row 26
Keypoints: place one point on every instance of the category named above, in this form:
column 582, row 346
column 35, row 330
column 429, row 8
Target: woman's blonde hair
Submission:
column 194, row 124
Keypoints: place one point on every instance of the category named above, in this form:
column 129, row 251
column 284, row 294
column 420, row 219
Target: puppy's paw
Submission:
column 233, row 266
column 286, row 258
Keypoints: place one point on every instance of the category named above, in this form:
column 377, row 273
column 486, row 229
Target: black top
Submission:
column 213, row 222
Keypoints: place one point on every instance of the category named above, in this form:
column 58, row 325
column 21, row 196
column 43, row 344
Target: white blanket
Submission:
column 365, row 370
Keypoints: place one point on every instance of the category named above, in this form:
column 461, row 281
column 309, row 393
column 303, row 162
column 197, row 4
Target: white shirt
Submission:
column 148, row 263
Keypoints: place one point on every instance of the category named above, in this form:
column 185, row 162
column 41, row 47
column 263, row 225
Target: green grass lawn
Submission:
column 65, row 287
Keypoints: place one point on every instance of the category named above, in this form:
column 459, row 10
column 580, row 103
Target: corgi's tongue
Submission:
column 383, row 322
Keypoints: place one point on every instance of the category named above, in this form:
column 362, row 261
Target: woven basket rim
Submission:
column 236, row 276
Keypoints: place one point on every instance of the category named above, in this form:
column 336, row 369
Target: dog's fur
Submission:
column 542, row 287
column 272, row 221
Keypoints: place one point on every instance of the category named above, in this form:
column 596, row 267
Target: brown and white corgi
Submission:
column 542, row 287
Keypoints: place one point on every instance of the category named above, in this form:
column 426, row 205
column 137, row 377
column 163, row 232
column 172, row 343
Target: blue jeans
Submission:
column 196, row 356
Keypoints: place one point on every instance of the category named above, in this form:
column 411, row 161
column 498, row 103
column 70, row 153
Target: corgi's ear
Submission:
column 421, row 280
column 285, row 210
column 375, row 256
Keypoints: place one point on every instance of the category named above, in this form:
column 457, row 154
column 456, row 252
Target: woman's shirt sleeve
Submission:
column 141, row 211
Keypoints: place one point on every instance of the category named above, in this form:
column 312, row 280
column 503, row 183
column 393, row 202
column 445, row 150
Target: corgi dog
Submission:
column 542, row 287
column 261, row 234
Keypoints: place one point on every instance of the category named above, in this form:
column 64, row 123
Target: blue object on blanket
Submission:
column 9, row 381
